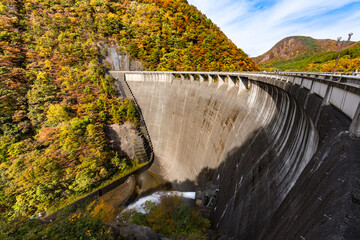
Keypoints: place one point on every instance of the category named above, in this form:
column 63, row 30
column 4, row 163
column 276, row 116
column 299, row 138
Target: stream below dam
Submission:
column 139, row 188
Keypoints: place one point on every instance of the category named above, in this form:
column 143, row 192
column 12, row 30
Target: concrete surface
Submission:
column 120, row 195
column 273, row 150
column 126, row 141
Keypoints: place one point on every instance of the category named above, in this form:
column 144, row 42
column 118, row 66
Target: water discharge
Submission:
column 156, row 197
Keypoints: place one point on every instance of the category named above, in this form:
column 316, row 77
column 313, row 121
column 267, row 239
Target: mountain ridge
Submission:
column 296, row 46
column 349, row 61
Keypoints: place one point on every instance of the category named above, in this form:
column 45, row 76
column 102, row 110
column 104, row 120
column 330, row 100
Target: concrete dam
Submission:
column 283, row 150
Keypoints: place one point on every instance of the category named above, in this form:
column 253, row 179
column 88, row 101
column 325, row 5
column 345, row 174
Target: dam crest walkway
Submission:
column 338, row 90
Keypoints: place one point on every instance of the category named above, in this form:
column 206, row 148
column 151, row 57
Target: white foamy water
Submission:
column 156, row 197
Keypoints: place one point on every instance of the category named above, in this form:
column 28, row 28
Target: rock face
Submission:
column 120, row 61
column 285, row 164
column 127, row 141
column 122, row 138
column 292, row 47
column 133, row 232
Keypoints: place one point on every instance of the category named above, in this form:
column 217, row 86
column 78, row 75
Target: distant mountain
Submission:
column 297, row 46
column 349, row 61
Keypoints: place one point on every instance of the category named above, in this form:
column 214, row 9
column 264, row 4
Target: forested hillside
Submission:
column 56, row 98
column 172, row 35
column 324, row 62
column 298, row 47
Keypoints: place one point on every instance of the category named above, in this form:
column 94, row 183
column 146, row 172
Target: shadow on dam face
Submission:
column 261, row 148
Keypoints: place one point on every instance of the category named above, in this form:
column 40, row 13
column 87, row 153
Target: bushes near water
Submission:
column 171, row 217
column 86, row 223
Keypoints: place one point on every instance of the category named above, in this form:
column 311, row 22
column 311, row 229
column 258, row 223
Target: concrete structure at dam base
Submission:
column 284, row 150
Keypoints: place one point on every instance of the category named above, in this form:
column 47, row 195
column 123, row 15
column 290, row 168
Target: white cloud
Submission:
column 257, row 30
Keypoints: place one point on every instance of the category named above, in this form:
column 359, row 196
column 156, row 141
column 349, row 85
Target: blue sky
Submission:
column 255, row 26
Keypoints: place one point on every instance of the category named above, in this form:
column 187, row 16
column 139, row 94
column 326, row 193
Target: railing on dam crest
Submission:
column 340, row 91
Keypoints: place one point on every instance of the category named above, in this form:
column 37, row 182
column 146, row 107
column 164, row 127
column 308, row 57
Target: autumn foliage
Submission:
column 56, row 98
column 173, row 35
column 171, row 217
column 349, row 61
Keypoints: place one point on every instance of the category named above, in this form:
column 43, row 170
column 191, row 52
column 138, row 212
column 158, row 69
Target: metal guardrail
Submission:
column 348, row 83
column 347, row 78
column 341, row 91
column 344, row 78
column 144, row 148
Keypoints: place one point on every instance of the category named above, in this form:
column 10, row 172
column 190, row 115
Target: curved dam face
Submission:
column 279, row 175
column 253, row 144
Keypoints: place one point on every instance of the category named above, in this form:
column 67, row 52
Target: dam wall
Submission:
column 269, row 148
